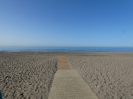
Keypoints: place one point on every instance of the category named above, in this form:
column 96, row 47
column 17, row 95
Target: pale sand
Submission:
column 110, row 75
column 30, row 75
column 26, row 75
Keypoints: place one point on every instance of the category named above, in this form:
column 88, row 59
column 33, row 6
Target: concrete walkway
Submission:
column 68, row 84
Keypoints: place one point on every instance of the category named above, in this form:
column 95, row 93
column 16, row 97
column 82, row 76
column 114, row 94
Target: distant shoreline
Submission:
column 66, row 49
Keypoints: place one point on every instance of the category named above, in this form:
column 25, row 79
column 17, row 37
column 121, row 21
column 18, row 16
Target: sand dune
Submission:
column 25, row 75
column 110, row 76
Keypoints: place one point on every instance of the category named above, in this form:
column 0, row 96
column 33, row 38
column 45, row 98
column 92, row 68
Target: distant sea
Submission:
column 66, row 49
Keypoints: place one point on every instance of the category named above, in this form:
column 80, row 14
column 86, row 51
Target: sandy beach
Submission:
column 30, row 75
column 110, row 75
column 26, row 75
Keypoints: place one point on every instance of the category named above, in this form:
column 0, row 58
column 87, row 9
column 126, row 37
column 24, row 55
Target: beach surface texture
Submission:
column 26, row 75
column 30, row 75
column 110, row 76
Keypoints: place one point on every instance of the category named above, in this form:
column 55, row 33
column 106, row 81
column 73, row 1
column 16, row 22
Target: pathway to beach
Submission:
column 68, row 84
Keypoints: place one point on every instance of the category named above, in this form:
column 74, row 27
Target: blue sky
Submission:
column 66, row 23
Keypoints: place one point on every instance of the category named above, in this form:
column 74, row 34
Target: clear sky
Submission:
column 66, row 23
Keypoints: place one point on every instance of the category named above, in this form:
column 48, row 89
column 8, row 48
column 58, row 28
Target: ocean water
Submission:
column 66, row 49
